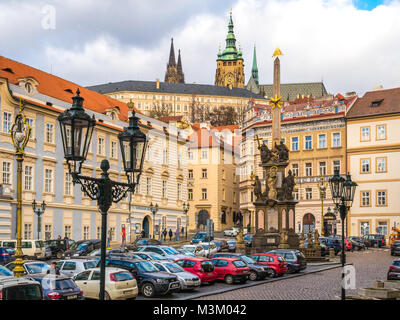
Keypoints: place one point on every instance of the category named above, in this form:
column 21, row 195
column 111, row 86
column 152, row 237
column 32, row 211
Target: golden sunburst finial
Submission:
column 276, row 102
column 231, row 11
column 277, row 52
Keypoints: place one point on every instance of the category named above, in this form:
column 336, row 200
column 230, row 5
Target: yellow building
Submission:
column 212, row 181
column 315, row 133
column 373, row 155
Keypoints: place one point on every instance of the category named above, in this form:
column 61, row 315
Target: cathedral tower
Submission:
column 230, row 67
column 174, row 73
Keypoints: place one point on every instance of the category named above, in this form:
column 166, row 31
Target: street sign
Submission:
column 210, row 228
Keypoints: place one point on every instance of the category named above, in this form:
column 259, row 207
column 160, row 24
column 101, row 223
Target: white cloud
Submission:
column 350, row 49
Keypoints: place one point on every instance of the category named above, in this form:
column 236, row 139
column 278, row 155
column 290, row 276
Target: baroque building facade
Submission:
column 69, row 212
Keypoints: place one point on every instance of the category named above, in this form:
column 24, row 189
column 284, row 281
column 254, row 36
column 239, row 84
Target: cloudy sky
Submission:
column 352, row 45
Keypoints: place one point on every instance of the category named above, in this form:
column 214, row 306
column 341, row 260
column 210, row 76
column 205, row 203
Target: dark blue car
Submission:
column 5, row 256
column 201, row 236
column 331, row 243
column 58, row 287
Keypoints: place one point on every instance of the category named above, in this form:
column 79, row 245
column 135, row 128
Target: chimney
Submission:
column 377, row 88
column 157, row 83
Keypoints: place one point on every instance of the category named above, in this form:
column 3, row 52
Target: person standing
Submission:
column 54, row 269
column 170, row 234
column 165, row 234
column 182, row 232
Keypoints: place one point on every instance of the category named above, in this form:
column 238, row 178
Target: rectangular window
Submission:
column 295, row 169
column 381, row 198
column 308, row 169
column 86, row 234
column 148, row 186
column 190, row 194
column 336, row 141
column 6, row 172
column 204, row 173
column 27, row 231
column 336, row 166
column 308, row 143
column 67, row 231
column 308, row 193
column 382, row 228
column 49, row 133
column 203, row 194
column 190, row 155
column 68, row 184
column 100, row 146
column 296, row 194
column 365, row 198
column 165, row 156
column 322, row 168
column 114, row 149
column 148, row 153
column 381, row 132
column 47, row 232
column 381, row 165
column 190, row 174
column 365, row 134
column 164, row 189
column 31, row 124
column 295, row 143
column 178, row 191
column 364, row 228
column 322, row 141
column 7, row 122
column 48, row 180
column 204, row 154
column 28, row 177
column 365, row 166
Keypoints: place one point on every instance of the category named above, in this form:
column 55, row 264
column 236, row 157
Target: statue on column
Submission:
column 283, row 151
column 271, row 182
column 265, row 153
column 316, row 239
column 288, row 185
column 257, row 189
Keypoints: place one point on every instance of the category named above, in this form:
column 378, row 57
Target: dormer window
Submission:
column 376, row 103
column 28, row 88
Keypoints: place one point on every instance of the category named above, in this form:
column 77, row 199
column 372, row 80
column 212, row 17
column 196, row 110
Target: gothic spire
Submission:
column 172, row 54
column 179, row 66
column 254, row 69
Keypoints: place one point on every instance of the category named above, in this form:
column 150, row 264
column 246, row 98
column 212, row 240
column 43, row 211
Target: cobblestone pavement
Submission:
column 370, row 265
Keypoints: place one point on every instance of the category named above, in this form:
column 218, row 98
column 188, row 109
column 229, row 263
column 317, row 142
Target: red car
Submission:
column 201, row 267
column 348, row 244
column 277, row 264
column 231, row 269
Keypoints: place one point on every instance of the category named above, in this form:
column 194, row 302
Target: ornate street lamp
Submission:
column 20, row 133
column 76, row 131
column 39, row 211
column 322, row 194
column 343, row 191
column 186, row 207
column 154, row 210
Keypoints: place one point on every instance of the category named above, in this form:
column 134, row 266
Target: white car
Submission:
column 233, row 232
column 165, row 251
column 71, row 267
column 209, row 247
column 120, row 284
column 196, row 249
column 188, row 281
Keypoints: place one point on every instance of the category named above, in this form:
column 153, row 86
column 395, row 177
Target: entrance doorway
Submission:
column 146, row 227
column 202, row 221
column 308, row 222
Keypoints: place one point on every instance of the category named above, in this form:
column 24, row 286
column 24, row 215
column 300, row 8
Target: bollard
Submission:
column 331, row 253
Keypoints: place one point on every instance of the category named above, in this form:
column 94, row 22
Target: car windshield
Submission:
column 94, row 253
column 231, row 242
column 247, row 259
column 39, row 244
column 5, row 272
column 199, row 236
column 90, row 264
column 145, row 266
column 239, row 264
column 57, row 284
column 173, row 268
column 280, row 259
column 205, row 246
column 189, row 248
column 37, row 267
column 396, row 243
column 396, row 263
column 141, row 242
column 79, row 246
column 247, row 237
column 170, row 250
column 23, row 292
column 123, row 276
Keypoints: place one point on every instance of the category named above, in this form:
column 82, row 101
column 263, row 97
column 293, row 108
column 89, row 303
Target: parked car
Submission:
column 201, row 267
column 394, row 270
column 20, row 289
column 348, row 244
column 145, row 242
column 201, row 237
column 324, row 248
column 257, row 271
column 248, row 239
column 197, row 249
column 395, row 248
column 277, row 264
column 222, row 245
column 166, row 251
column 150, row 280
column 231, row 270
column 31, row 249
column 81, row 248
column 331, row 242
column 360, row 240
column 231, row 232
column 186, row 252
column 295, row 259
column 357, row 245
column 112, row 252
column 146, row 255
column 5, row 256
column 209, row 248
column 5, row 272
column 59, row 246
column 231, row 245
column 31, row 267
column 375, row 240
column 71, row 267
column 119, row 284
column 187, row 280
column 57, row 287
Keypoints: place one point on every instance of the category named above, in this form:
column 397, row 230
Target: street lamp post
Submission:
column 154, row 210
column 186, row 207
column 39, row 211
column 322, row 193
column 342, row 195
column 20, row 133
column 76, row 132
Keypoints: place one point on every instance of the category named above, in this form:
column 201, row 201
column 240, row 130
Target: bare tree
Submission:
column 160, row 110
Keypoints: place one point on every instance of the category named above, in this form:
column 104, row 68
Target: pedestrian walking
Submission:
column 177, row 234
column 182, row 232
column 170, row 234
column 54, row 269
column 59, row 237
column 165, row 233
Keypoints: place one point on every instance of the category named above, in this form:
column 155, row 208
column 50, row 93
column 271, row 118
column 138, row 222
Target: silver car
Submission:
column 188, row 281
column 166, row 251
column 148, row 255
column 72, row 267
column 31, row 267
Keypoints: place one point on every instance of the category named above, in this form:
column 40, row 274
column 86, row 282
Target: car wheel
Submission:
column 272, row 273
column 253, row 276
column 228, row 279
column 148, row 290
column 375, row 245
column 59, row 255
column 106, row 296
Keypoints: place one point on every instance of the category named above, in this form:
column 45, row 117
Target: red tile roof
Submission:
column 59, row 88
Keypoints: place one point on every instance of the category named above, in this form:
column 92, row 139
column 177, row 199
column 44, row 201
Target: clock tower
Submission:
column 230, row 67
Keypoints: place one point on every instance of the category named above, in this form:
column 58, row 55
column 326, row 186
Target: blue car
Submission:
column 331, row 243
column 5, row 256
column 58, row 287
column 201, row 236
column 5, row 272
